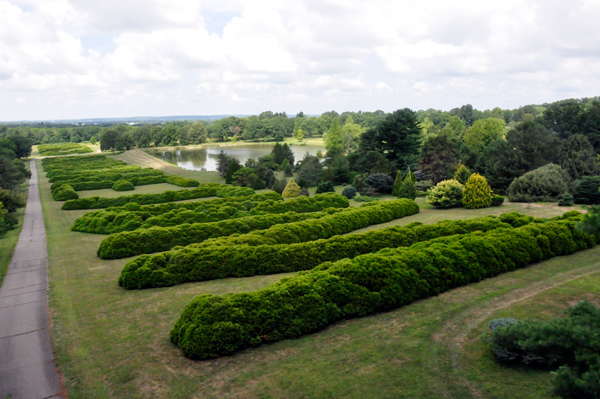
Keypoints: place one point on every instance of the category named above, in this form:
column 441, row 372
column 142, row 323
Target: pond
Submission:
column 206, row 158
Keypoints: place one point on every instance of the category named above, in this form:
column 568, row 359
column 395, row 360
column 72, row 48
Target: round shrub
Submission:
column 447, row 194
column 123, row 185
column 565, row 199
column 542, row 184
column 477, row 193
column 380, row 183
column 349, row 192
column 497, row 200
column 325, row 187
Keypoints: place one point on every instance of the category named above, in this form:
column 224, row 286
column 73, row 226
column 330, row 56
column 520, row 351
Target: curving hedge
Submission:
column 213, row 325
column 63, row 149
column 202, row 191
column 134, row 216
column 182, row 182
column 157, row 239
column 199, row 264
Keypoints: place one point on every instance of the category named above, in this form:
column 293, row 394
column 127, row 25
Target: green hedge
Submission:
column 123, row 185
column 213, row 325
column 63, row 149
column 64, row 192
column 58, row 175
column 157, row 239
column 182, row 182
column 134, row 216
column 60, row 166
column 202, row 191
column 198, row 264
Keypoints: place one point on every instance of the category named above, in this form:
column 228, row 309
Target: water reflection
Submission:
column 206, row 158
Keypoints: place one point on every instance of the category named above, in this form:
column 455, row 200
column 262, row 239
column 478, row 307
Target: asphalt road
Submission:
column 27, row 370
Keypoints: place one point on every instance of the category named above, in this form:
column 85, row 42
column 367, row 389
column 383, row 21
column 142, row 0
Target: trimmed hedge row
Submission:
column 213, row 325
column 182, row 182
column 108, row 175
column 63, row 149
column 133, row 216
column 123, row 185
column 157, row 239
column 87, row 174
column 57, row 166
column 199, row 264
column 202, row 191
column 64, row 192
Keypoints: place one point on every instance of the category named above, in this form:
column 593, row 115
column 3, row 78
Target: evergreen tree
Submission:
column 92, row 140
column 462, row 174
column 438, row 157
column 477, row 193
column 279, row 185
column 291, row 190
column 288, row 172
column 232, row 167
column 397, row 183
column 287, row 152
column 407, row 189
column 334, row 143
column 222, row 163
column 310, row 170
column 578, row 157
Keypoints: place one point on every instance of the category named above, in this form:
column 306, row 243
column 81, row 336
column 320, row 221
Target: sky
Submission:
column 71, row 59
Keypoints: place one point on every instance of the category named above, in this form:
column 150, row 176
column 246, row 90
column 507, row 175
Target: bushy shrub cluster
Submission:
column 187, row 265
column 150, row 271
column 157, row 239
column 212, row 325
column 123, row 185
column 407, row 188
column 447, row 194
column 58, row 166
column 325, row 187
column 542, row 184
column 47, row 150
column 182, row 182
column 133, row 216
column 497, row 200
column 349, row 192
column 565, row 199
column 570, row 344
column 202, row 191
column 7, row 220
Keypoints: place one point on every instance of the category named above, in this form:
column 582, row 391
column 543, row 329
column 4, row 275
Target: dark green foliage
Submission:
column 11, row 201
column 63, row 149
column 244, row 261
column 578, row 157
column 586, row 190
column 133, row 216
column 203, row 262
column 462, row 174
column 570, row 344
column 232, row 167
column 349, row 192
column 325, row 187
column 202, row 191
column 288, row 171
column 497, row 200
column 22, row 145
column 181, row 181
column 379, row 183
column 565, row 199
column 408, row 189
column 7, row 220
column 591, row 221
column 424, row 185
column 157, row 239
column 123, row 185
column 543, row 184
column 397, row 183
column 438, row 157
column 304, row 192
column 212, row 326
column 279, row 185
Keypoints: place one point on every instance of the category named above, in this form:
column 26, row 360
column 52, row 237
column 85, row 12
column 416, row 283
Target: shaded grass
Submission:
column 114, row 343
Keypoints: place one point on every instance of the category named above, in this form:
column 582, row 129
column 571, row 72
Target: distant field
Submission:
column 112, row 343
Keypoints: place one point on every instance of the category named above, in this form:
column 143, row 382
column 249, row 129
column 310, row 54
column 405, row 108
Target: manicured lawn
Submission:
column 114, row 343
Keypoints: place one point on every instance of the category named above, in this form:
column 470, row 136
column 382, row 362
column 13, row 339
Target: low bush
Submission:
column 133, row 216
column 325, row 187
column 202, row 191
column 542, row 184
column 212, row 325
column 64, row 192
column 189, row 264
column 7, row 220
column 497, row 200
column 380, row 183
column 47, row 150
column 157, row 239
column 364, row 198
column 477, row 193
column 349, row 192
column 447, row 194
column 181, row 181
column 586, row 190
column 570, row 345
column 123, row 185
column 565, row 199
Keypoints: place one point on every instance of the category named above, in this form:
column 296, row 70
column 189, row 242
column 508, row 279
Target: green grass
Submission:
column 112, row 343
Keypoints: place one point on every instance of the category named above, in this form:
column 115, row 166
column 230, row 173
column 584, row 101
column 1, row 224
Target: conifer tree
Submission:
column 477, row 193
column 408, row 188
column 397, row 183
column 292, row 190
column 462, row 174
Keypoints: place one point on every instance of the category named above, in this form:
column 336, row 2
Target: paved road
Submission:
column 26, row 367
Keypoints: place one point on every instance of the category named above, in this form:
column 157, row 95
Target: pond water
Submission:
column 206, row 158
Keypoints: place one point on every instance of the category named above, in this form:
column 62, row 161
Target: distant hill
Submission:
column 131, row 119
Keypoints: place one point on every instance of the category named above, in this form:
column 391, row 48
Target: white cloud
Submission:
column 91, row 58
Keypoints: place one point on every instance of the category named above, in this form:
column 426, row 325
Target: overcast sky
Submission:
column 114, row 58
